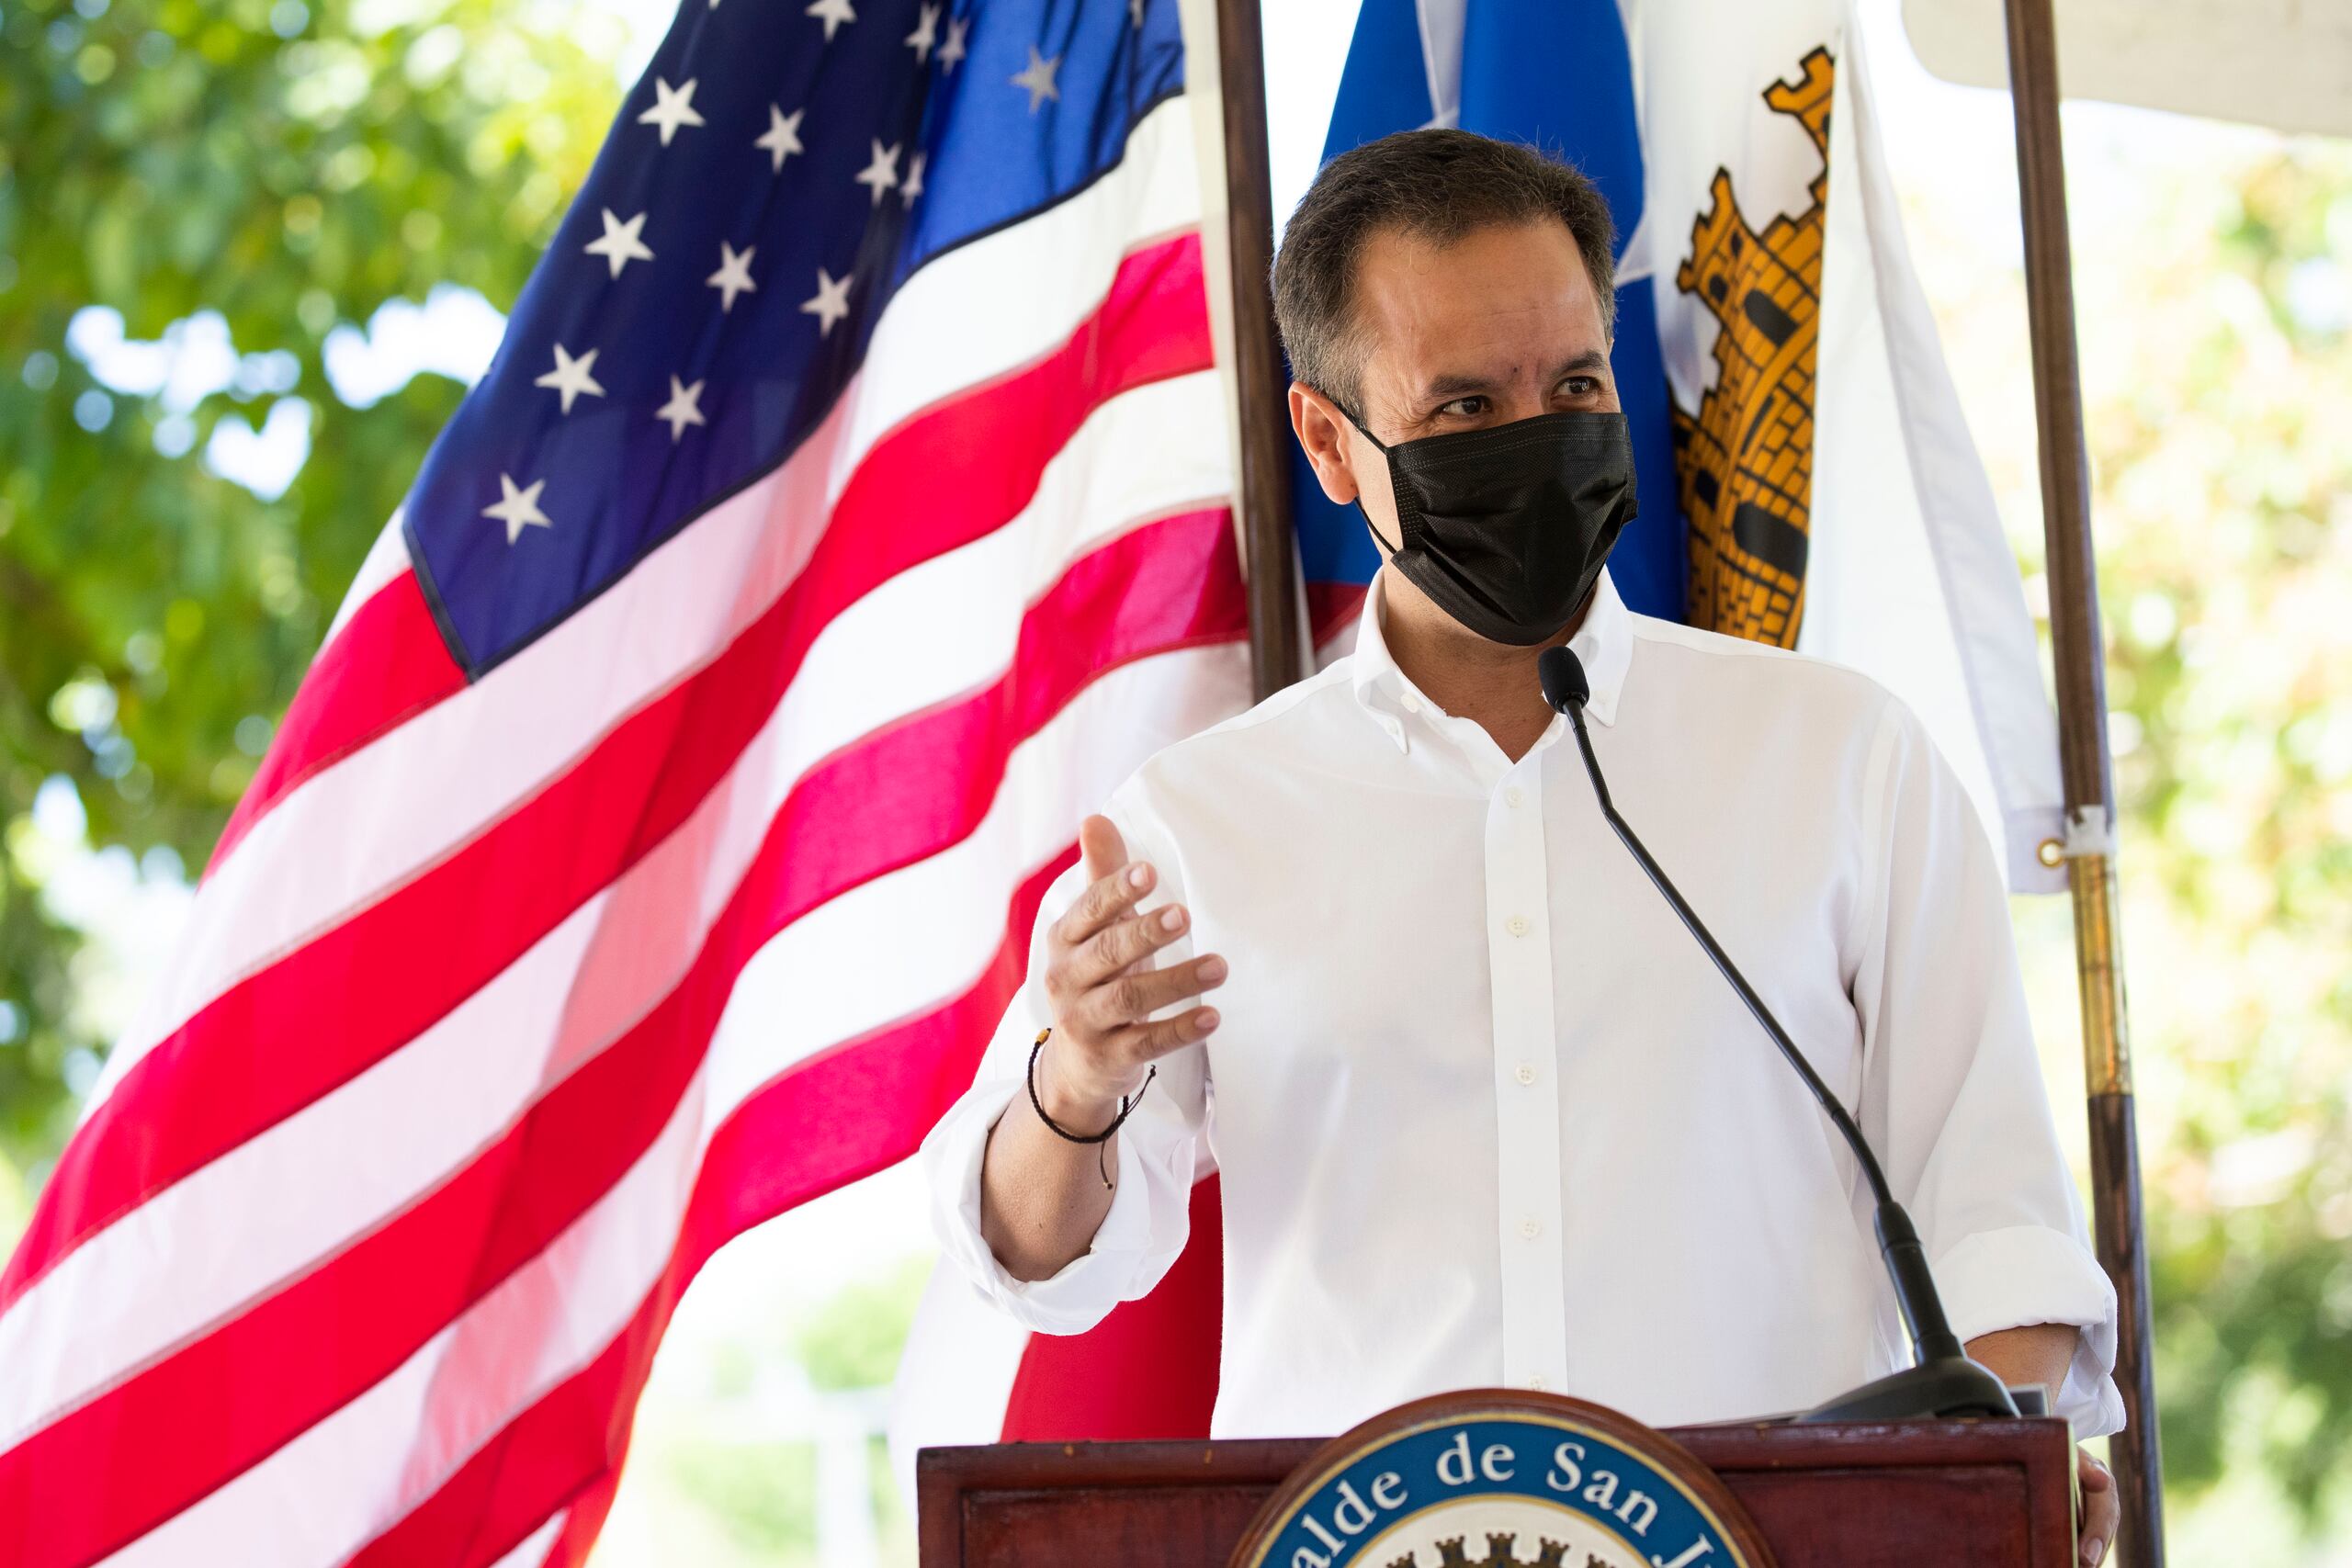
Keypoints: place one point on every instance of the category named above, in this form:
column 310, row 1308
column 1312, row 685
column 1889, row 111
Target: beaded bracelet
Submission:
column 1127, row 1104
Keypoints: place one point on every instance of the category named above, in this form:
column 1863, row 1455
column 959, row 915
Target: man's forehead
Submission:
column 1496, row 304
column 1398, row 256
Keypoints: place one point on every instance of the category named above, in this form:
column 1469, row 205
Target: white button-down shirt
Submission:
column 1486, row 1115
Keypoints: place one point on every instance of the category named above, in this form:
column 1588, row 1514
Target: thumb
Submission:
column 1099, row 841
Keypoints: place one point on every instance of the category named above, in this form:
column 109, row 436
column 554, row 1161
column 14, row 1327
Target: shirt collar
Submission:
column 1604, row 643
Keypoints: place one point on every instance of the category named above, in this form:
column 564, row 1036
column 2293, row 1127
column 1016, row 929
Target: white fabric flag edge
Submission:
column 1992, row 631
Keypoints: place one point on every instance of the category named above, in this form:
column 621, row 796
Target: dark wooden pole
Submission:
column 1270, row 552
column 2083, row 751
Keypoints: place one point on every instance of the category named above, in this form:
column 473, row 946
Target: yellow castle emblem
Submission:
column 1745, row 457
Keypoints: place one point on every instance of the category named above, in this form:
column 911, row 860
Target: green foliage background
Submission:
column 293, row 165
column 2226, row 489
column 2216, row 323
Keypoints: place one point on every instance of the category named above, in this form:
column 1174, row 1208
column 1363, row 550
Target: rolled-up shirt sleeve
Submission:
column 1953, row 1097
column 1157, row 1148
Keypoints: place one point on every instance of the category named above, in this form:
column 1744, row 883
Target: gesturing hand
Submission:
column 1102, row 988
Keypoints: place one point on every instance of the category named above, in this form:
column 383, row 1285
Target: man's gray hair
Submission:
column 1437, row 186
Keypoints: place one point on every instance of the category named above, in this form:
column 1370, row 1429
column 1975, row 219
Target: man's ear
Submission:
column 1321, row 429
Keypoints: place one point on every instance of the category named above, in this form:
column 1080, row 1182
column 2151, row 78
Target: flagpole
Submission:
column 2089, row 853
column 1270, row 553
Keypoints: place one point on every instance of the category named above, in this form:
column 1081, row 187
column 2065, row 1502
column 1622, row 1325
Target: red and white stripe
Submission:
column 969, row 1374
column 507, row 1003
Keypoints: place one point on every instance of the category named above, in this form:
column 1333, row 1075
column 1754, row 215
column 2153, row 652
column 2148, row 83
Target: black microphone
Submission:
column 1942, row 1381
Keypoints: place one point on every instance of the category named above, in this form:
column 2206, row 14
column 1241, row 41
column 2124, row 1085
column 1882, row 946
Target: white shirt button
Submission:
column 1411, row 703
column 1513, row 795
column 1526, row 1072
column 1440, row 783
column 1529, row 1229
column 1535, row 1382
column 1516, row 925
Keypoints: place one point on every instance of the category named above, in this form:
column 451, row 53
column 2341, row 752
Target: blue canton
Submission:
column 780, row 171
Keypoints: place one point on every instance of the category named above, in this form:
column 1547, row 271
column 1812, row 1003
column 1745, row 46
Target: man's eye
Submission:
column 1582, row 386
column 1465, row 407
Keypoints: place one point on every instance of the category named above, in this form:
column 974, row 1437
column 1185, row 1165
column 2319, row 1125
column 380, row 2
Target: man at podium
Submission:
column 1483, row 1111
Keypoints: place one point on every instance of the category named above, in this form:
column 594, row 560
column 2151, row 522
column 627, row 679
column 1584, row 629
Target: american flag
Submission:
column 655, row 840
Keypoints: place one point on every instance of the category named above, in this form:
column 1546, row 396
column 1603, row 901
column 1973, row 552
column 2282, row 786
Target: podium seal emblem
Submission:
column 1493, row 1479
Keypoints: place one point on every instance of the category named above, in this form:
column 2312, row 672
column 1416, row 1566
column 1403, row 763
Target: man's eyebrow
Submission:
column 1446, row 388
column 1456, row 385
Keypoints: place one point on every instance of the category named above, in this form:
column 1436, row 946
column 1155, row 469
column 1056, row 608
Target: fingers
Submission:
column 1143, row 1043
column 2097, row 1533
column 2102, row 1510
column 1121, row 944
column 1131, row 999
column 1101, row 980
column 1104, row 851
column 1122, row 1000
column 1105, row 899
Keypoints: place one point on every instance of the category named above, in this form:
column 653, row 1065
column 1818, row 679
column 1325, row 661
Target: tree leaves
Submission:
column 291, row 166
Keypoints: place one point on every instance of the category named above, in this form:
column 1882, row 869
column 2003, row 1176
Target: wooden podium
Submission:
column 1918, row 1494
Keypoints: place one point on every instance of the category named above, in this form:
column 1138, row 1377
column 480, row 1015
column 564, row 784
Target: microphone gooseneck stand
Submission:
column 1942, row 1381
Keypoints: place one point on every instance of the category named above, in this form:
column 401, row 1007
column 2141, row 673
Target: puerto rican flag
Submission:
column 655, row 840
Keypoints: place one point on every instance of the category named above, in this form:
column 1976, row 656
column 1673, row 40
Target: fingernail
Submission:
column 1137, row 875
column 1171, row 919
column 2094, row 1549
column 1208, row 1019
column 1212, row 970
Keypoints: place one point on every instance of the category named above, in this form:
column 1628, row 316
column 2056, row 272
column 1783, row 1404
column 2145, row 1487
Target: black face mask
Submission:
column 1506, row 528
